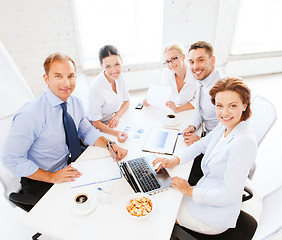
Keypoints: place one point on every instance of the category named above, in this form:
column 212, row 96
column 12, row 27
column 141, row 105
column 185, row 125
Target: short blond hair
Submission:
column 174, row 46
column 60, row 57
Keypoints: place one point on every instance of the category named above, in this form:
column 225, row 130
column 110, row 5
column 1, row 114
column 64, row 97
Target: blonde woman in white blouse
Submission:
column 178, row 77
column 109, row 97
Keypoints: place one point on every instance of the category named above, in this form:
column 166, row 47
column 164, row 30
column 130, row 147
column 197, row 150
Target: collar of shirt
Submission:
column 209, row 80
column 53, row 99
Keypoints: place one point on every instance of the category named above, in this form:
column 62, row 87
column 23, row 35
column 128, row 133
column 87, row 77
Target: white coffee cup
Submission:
column 81, row 201
column 171, row 119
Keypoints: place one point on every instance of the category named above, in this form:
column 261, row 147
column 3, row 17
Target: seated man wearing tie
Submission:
column 44, row 136
column 202, row 65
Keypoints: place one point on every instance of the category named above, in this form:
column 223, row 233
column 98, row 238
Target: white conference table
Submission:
column 53, row 214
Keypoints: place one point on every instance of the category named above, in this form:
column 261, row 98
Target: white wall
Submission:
column 32, row 29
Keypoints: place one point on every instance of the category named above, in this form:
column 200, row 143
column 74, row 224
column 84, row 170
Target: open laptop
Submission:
column 141, row 176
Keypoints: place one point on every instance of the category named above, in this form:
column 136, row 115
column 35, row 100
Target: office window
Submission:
column 134, row 27
column 258, row 27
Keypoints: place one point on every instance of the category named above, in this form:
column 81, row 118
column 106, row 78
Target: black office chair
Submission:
column 245, row 229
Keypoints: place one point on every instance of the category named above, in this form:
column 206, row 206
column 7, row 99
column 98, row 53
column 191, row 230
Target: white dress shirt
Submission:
column 217, row 197
column 103, row 101
column 206, row 110
column 188, row 91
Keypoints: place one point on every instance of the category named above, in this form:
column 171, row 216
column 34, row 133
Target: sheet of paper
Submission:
column 96, row 171
column 158, row 95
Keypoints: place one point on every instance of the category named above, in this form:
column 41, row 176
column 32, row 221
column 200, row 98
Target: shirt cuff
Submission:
column 181, row 156
column 93, row 137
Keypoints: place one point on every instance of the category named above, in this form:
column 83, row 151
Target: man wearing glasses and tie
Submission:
column 44, row 136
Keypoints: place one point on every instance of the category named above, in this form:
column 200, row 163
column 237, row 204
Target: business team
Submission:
column 38, row 148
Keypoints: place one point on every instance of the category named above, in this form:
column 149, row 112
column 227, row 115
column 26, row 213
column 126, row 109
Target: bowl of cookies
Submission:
column 139, row 205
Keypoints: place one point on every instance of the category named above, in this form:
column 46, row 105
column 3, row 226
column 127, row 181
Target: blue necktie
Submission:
column 71, row 134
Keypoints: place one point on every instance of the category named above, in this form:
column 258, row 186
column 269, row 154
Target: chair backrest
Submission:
column 14, row 92
column 270, row 221
column 263, row 117
column 82, row 89
column 9, row 181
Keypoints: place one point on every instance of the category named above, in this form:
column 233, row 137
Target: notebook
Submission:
column 141, row 176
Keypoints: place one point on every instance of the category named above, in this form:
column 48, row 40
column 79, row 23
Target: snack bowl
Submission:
column 139, row 205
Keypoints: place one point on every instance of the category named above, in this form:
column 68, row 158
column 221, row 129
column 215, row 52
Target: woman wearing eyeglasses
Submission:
column 178, row 77
column 109, row 97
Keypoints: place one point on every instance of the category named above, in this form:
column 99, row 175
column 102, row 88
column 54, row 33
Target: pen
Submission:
column 101, row 189
column 182, row 133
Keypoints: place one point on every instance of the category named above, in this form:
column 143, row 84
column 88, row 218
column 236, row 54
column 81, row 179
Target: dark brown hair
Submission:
column 235, row 85
column 201, row 44
column 60, row 57
column 107, row 51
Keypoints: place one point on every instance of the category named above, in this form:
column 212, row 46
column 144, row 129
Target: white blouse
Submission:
column 188, row 91
column 103, row 101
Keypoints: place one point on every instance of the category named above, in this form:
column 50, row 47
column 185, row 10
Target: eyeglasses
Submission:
column 172, row 59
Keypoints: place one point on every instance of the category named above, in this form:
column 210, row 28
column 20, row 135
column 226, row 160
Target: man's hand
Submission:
column 67, row 174
column 189, row 129
column 120, row 152
column 190, row 138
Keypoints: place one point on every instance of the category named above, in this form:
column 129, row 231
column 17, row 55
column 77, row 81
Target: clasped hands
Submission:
column 190, row 136
column 179, row 183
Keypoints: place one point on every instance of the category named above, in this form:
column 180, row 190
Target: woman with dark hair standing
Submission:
column 109, row 97
column 214, row 204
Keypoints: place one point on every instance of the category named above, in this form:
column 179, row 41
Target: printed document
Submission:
column 96, row 171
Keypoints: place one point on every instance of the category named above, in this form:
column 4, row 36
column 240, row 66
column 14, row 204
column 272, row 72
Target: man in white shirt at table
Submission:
column 202, row 65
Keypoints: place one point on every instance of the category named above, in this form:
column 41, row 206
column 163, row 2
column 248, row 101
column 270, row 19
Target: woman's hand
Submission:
column 166, row 163
column 122, row 136
column 113, row 122
column 145, row 103
column 182, row 185
column 172, row 106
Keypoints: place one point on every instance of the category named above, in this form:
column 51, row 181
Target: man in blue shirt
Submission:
column 36, row 148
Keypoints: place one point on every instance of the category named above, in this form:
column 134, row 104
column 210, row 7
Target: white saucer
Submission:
column 171, row 124
column 86, row 211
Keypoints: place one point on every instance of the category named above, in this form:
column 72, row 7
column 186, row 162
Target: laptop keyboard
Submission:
column 144, row 175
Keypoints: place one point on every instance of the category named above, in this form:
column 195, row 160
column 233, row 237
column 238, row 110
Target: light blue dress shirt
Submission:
column 37, row 136
column 217, row 197
column 206, row 110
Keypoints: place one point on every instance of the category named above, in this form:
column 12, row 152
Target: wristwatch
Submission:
column 109, row 143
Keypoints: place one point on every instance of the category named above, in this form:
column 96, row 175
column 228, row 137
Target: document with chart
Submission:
column 161, row 140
